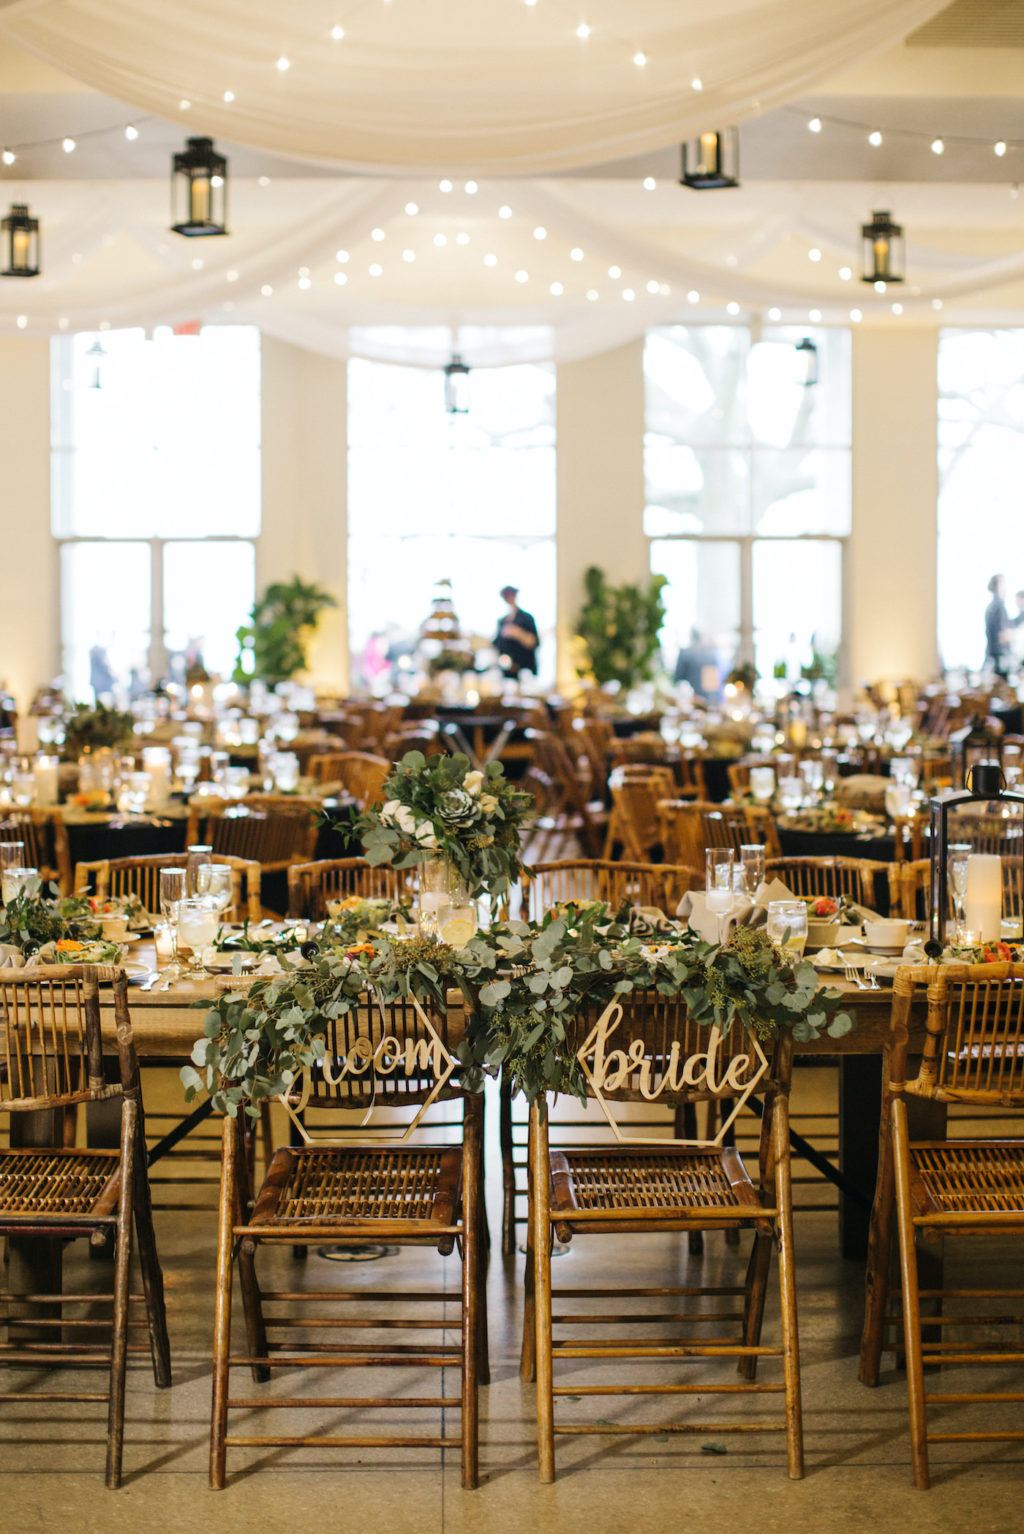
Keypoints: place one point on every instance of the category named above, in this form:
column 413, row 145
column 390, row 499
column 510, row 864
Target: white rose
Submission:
column 488, row 803
column 474, row 782
column 424, row 835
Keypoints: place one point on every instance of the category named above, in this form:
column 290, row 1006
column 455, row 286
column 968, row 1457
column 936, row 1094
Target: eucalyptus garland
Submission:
column 522, row 983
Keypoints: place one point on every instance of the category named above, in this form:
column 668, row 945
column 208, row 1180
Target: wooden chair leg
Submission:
column 879, row 1257
column 222, row 1310
column 684, row 1127
column 787, row 1291
column 757, row 1288
column 252, row 1306
column 911, row 1299
column 471, row 1287
column 541, row 1199
column 508, row 1170
column 528, row 1351
column 122, row 1270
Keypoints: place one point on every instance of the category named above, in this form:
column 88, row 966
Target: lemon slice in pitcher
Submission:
column 457, row 931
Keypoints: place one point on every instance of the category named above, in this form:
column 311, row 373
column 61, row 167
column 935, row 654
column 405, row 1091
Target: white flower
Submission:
column 473, row 782
column 400, row 816
column 488, row 804
column 424, row 835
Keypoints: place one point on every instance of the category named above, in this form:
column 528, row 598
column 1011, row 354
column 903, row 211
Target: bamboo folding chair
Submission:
column 360, row 773
column 273, row 830
column 358, row 1189
column 311, row 885
column 973, row 1054
column 587, row 879
column 656, row 1185
column 140, row 876
column 575, row 817
column 634, row 819
column 852, row 877
column 51, row 1061
column 689, row 827
column 46, row 842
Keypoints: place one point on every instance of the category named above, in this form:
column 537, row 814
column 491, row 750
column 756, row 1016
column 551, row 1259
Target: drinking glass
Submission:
column 236, row 782
column 762, row 783
column 752, row 863
column 811, row 776
column 787, row 926
column 216, row 882
column 898, row 800
column 12, row 855
column 14, row 880
column 198, row 920
column 829, row 773
column 904, row 769
column 791, row 793
column 23, row 782
column 135, row 793
column 285, row 767
column 957, row 855
column 718, row 864
column 172, row 892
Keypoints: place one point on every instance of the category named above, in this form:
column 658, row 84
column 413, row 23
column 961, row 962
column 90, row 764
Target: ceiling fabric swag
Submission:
column 456, row 86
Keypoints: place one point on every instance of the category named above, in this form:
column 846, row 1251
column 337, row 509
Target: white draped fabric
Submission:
column 464, row 87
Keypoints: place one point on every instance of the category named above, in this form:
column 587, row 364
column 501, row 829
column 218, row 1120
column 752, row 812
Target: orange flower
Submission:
column 69, row 945
column 351, row 902
column 359, row 949
column 996, row 953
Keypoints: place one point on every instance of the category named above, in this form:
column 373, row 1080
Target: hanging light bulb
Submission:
column 20, row 237
column 199, row 190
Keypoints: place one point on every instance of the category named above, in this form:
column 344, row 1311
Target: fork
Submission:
column 854, row 977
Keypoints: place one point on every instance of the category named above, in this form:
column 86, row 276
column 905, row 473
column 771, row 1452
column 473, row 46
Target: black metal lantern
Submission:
column 711, row 160
column 97, row 352
column 808, row 354
column 20, row 242
column 979, row 741
column 199, row 190
column 456, row 386
column 883, row 258
column 986, row 785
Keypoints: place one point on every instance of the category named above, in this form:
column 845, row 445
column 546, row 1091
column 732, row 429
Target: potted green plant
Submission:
column 272, row 646
column 619, row 626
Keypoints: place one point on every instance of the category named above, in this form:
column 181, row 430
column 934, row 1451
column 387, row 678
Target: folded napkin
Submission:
column 713, row 928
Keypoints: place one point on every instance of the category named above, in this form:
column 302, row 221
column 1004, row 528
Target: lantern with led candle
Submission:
column 456, row 386
column 981, row 740
column 883, row 250
column 20, row 242
column 711, row 160
column 964, row 817
column 199, row 190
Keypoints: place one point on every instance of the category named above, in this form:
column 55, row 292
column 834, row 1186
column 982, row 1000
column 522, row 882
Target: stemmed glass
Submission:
column 762, row 783
column 718, row 866
column 752, row 867
column 958, row 854
column 216, row 882
column 198, row 920
column 172, row 892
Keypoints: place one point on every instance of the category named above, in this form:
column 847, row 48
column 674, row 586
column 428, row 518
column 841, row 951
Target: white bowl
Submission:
column 892, row 933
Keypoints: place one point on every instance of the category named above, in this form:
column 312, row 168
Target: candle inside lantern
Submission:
column 984, row 898
column 881, row 258
column 709, row 154
column 44, row 770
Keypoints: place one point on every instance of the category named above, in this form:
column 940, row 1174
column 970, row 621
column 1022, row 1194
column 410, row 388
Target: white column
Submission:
column 600, row 481
column 305, row 522
column 29, row 607
column 891, row 618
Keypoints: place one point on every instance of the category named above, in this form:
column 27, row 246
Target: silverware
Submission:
column 854, row 977
column 150, row 981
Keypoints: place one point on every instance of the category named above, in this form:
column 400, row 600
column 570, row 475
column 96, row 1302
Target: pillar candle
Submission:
column 44, row 770
column 984, row 898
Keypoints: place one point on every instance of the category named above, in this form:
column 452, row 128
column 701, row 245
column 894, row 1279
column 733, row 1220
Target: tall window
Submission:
column 981, row 470
column 747, row 493
column 155, row 501
column 431, row 497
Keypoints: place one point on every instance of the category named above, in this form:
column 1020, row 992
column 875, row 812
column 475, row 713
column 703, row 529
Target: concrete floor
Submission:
column 858, row 1471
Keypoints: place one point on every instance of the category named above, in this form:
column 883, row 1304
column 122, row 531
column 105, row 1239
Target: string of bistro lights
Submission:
column 709, row 161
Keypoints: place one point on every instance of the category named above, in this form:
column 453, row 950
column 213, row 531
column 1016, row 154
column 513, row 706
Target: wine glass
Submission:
column 752, row 863
column 217, row 882
column 198, row 920
column 762, row 783
column 791, row 793
column 718, row 865
column 171, row 890
column 957, row 855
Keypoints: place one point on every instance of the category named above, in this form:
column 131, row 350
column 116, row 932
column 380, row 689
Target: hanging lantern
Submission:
column 456, row 386
column 199, row 190
column 20, row 242
column 807, row 354
column 711, row 160
column 979, row 741
column 980, row 898
column 97, row 353
column 883, row 250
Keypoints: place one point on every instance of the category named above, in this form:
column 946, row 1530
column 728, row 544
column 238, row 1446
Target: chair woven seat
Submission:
column 970, row 1178
column 34, row 1182
column 595, row 1179
column 318, row 1183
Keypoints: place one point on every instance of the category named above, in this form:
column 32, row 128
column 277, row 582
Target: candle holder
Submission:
column 985, row 785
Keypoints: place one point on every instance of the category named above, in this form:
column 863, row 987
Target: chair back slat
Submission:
column 588, row 879
column 974, row 1050
column 51, row 1051
column 311, row 885
column 112, row 878
column 834, row 876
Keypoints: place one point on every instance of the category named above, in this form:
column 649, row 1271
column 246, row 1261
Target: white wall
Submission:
column 891, row 610
column 305, row 523
column 29, row 610
column 600, row 480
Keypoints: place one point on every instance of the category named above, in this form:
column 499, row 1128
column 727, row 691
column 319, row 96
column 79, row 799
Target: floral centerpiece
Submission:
column 438, row 807
column 30, row 921
column 522, row 983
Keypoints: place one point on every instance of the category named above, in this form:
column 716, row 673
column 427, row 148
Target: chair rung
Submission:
column 630, row 1349
column 434, row 1359
column 389, row 1296
column 666, row 1390
column 975, row 1437
column 933, row 1355
column 255, row 1403
column 343, row 1443
column 656, row 1294
column 54, row 1395
column 679, row 1427
column 26, row 1355
column 976, row 1395
column 396, row 1348
column 667, row 1315
column 366, row 1323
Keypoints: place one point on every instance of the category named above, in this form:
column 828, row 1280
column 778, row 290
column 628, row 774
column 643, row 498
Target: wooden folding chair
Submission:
column 140, row 876
column 358, row 1189
column 311, row 885
column 834, row 876
column 51, row 1061
column 973, row 1054
column 46, row 842
column 663, row 1186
